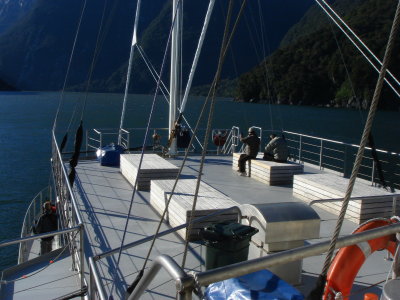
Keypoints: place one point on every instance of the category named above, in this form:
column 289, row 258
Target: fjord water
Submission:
column 26, row 120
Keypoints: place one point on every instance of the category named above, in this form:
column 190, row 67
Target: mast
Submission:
column 175, row 69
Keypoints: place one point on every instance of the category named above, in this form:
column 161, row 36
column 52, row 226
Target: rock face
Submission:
column 35, row 50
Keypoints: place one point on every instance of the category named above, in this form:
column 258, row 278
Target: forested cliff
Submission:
column 317, row 65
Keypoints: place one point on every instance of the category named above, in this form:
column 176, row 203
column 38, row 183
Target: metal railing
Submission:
column 97, row 138
column 32, row 214
column 68, row 212
column 339, row 156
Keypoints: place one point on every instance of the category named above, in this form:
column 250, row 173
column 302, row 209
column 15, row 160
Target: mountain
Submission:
column 11, row 11
column 312, row 68
column 34, row 52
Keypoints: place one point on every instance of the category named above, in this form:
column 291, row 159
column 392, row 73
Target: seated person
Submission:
column 276, row 150
column 252, row 142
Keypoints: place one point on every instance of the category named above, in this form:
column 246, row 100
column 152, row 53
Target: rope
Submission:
column 224, row 47
column 69, row 65
column 144, row 146
column 317, row 292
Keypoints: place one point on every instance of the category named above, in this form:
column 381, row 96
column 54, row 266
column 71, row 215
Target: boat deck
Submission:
column 39, row 279
column 104, row 198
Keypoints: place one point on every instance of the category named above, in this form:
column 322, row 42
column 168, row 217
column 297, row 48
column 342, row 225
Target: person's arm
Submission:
column 244, row 139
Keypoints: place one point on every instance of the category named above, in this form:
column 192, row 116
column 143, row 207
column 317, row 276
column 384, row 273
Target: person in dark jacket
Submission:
column 252, row 142
column 276, row 150
column 46, row 223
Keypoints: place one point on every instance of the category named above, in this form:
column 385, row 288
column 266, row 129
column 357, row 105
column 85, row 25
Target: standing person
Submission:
column 276, row 150
column 46, row 223
column 252, row 142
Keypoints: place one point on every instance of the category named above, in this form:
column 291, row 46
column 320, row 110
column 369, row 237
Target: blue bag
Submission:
column 110, row 155
column 258, row 285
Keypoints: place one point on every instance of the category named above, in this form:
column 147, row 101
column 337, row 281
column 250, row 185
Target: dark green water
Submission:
column 26, row 120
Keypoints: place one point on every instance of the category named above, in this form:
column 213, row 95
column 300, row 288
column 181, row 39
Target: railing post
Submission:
column 300, row 143
column 345, row 161
column 82, row 255
column 373, row 173
column 320, row 155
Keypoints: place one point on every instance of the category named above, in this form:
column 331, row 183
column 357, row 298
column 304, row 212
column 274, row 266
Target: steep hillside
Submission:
column 310, row 70
column 34, row 53
column 11, row 11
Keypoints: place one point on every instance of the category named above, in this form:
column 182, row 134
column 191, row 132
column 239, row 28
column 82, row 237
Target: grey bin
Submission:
column 282, row 226
column 226, row 243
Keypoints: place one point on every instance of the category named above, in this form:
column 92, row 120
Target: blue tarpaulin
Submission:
column 258, row 285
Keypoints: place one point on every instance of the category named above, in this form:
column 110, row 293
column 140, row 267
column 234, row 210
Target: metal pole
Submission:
column 373, row 173
column 95, row 274
column 300, row 148
column 320, row 155
column 174, row 74
column 82, row 255
column 37, row 236
column 184, row 282
column 345, row 161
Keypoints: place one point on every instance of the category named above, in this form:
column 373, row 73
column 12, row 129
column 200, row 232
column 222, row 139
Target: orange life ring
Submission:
column 348, row 260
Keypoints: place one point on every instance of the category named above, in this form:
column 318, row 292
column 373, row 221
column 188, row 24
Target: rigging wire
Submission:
column 129, row 71
column 359, row 39
column 261, row 20
column 145, row 140
column 360, row 50
column 94, row 59
column 317, row 292
column 224, row 48
column 163, row 88
column 69, row 64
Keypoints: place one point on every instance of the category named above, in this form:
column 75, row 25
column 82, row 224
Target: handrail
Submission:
column 166, row 232
column 250, row 266
column 184, row 282
column 73, row 200
column 95, row 280
column 339, row 143
column 311, row 203
column 38, row 236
